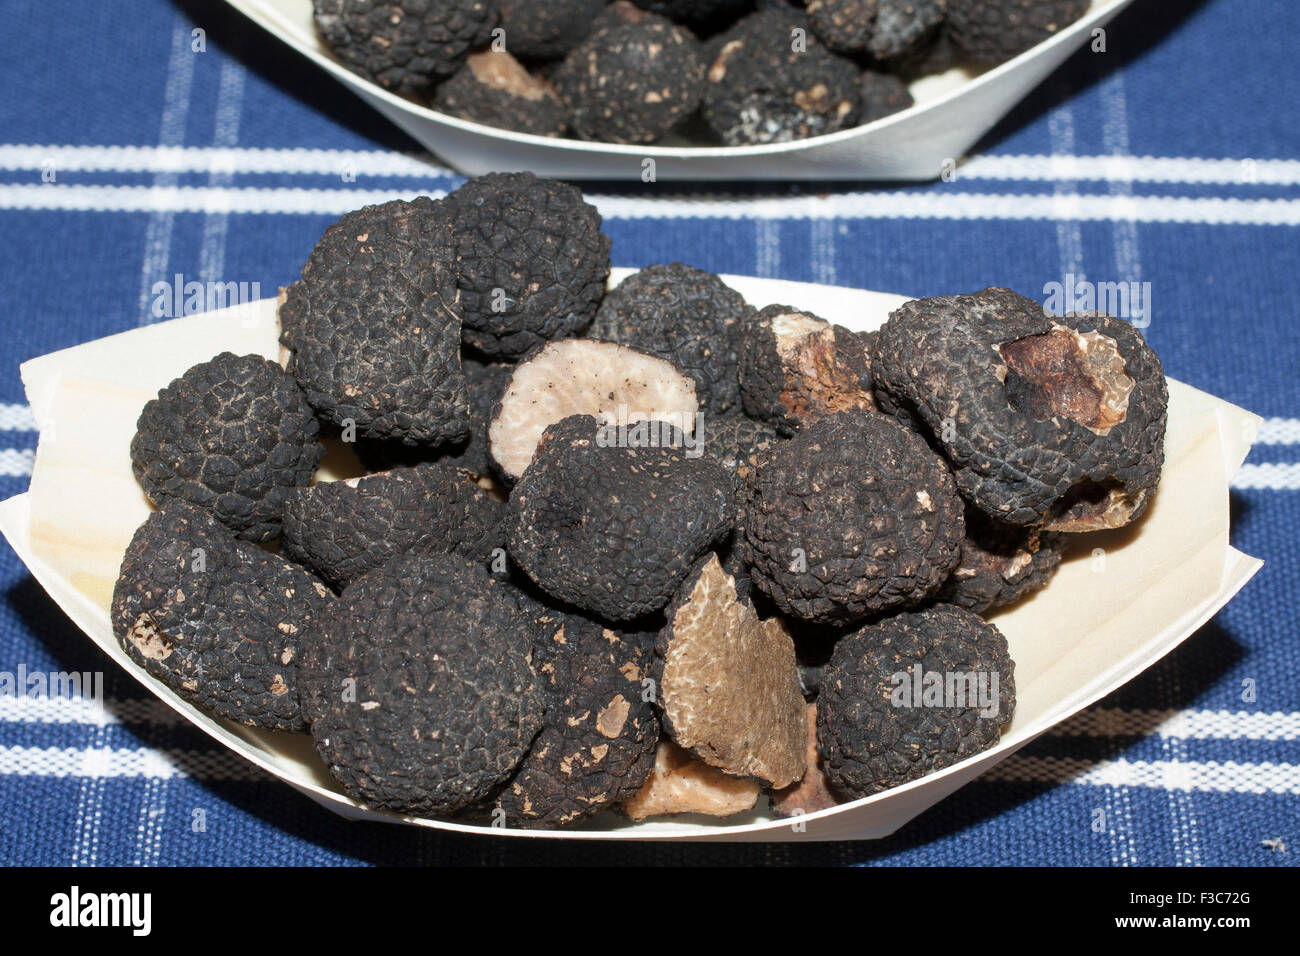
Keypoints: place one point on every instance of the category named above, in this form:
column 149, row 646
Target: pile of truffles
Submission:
column 654, row 550
column 736, row 72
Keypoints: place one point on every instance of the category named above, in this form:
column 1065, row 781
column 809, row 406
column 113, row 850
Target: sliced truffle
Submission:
column 342, row 529
column 597, row 742
column 812, row 793
column 418, row 686
column 991, row 31
column 796, row 367
column 373, row 325
column 631, row 82
column 882, row 95
column 853, row 516
column 403, row 45
column 233, row 435
column 492, row 88
column 547, row 30
column 217, row 620
column 580, row 377
column 1048, row 421
column 1000, row 563
column 612, row 524
column 532, row 261
column 728, row 682
column 681, row 784
column 911, row 695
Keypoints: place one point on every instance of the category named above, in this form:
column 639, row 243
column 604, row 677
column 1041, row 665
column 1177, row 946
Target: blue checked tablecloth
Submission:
column 1173, row 159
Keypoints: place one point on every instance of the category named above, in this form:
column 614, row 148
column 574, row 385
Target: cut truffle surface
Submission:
column 681, row 784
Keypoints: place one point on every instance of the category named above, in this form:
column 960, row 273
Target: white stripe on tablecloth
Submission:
column 15, row 463
column 1270, row 476
column 16, row 417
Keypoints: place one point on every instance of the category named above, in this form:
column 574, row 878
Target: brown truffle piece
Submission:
column 813, row 792
column 681, row 784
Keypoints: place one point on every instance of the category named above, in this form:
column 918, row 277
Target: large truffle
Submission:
column 681, row 784
column 911, row 695
column 548, row 29
column 418, row 685
column 852, row 516
column 494, row 89
column 613, row 523
column 990, row 31
column 532, row 261
column 233, row 435
column 1051, row 421
column 373, row 325
column 217, row 620
column 1000, row 563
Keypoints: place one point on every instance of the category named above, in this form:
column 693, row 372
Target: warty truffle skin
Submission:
column 872, row 731
column 991, row 31
column 233, row 435
column 548, row 29
column 418, row 686
column 532, row 262
column 1000, row 563
column 217, row 620
column 494, row 89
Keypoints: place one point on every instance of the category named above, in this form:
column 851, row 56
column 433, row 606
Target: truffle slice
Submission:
column 812, row 793
column 686, row 316
column 1057, row 422
column 598, row 739
column 681, row 784
column 547, row 30
column 910, row 695
column 579, row 377
column 532, row 261
column 373, row 325
column 729, row 685
column 1000, row 563
column 494, row 89
column 795, row 367
column 418, row 685
column 613, row 525
column 991, row 31
column 233, row 435
column 216, row 620
column 342, row 529
column 853, row 516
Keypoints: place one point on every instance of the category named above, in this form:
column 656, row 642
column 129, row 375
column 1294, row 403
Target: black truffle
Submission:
column 882, row 95
column 418, row 686
column 494, row 89
column 233, row 435
column 911, row 695
column 611, row 523
column 373, row 325
column 990, row 31
column 1051, row 421
column 735, row 442
column 1000, row 563
column 404, row 45
column 549, row 29
column 699, row 15
column 845, row 26
column 532, row 261
column 685, row 315
column 217, row 620
column 852, row 516
column 342, row 529
column 903, row 27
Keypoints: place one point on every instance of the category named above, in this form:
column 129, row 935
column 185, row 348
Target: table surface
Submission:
column 227, row 164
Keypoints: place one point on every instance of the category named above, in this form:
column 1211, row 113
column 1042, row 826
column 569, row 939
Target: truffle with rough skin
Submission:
column 1048, row 421
column 342, row 529
column 845, row 26
column 851, row 517
column 531, row 259
column 547, row 30
column 883, row 94
column 598, row 738
column 699, row 15
column 684, row 315
column 991, row 31
column 728, row 682
column 217, row 620
column 872, row 730
column 404, row 45
column 614, row 526
column 734, row 442
column 580, row 377
column 233, row 435
column 681, row 784
column 492, row 88
column 373, row 326
column 812, row 793
column 418, row 686
column 1000, row 563
column 903, row 27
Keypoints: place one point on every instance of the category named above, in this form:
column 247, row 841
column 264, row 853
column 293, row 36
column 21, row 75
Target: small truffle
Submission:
column 1000, row 563
column 910, row 695
column 883, row 94
column 233, row 435
column 813, row 792
column 549, row 29
column 903, row 27
column 492, row 88
column 681, row 784
column 991, row 31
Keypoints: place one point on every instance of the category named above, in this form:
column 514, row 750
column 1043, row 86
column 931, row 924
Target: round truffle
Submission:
column 991, row 31
column 549, row 29
column 845, row 26
column 233, row 435
column 1000, row 563
column 492, row 88
column 882, row 95
column 910, row 695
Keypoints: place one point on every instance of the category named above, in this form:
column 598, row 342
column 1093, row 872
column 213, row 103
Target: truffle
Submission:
column 910, row 695
column 845, row 26
column 492, row 88
column 418, row 686
column 233, row 435
column 1046, row 421
column 342, row 529
column 699, row 15
column 632, row 82
column 796, row 367
column 812, row 793
column 1000, row 563
column 882, row 95
column 216, row 619
column 853, row 516
column 373, row 325
column 728, row 682
column 579, row 377
column 990, row 31
column 598, row 738
column 549, row 29
column 612, row 523
column 686, row 316
column 403, row 45
column 532, row 261
column 681, row 784
column 903, row 27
